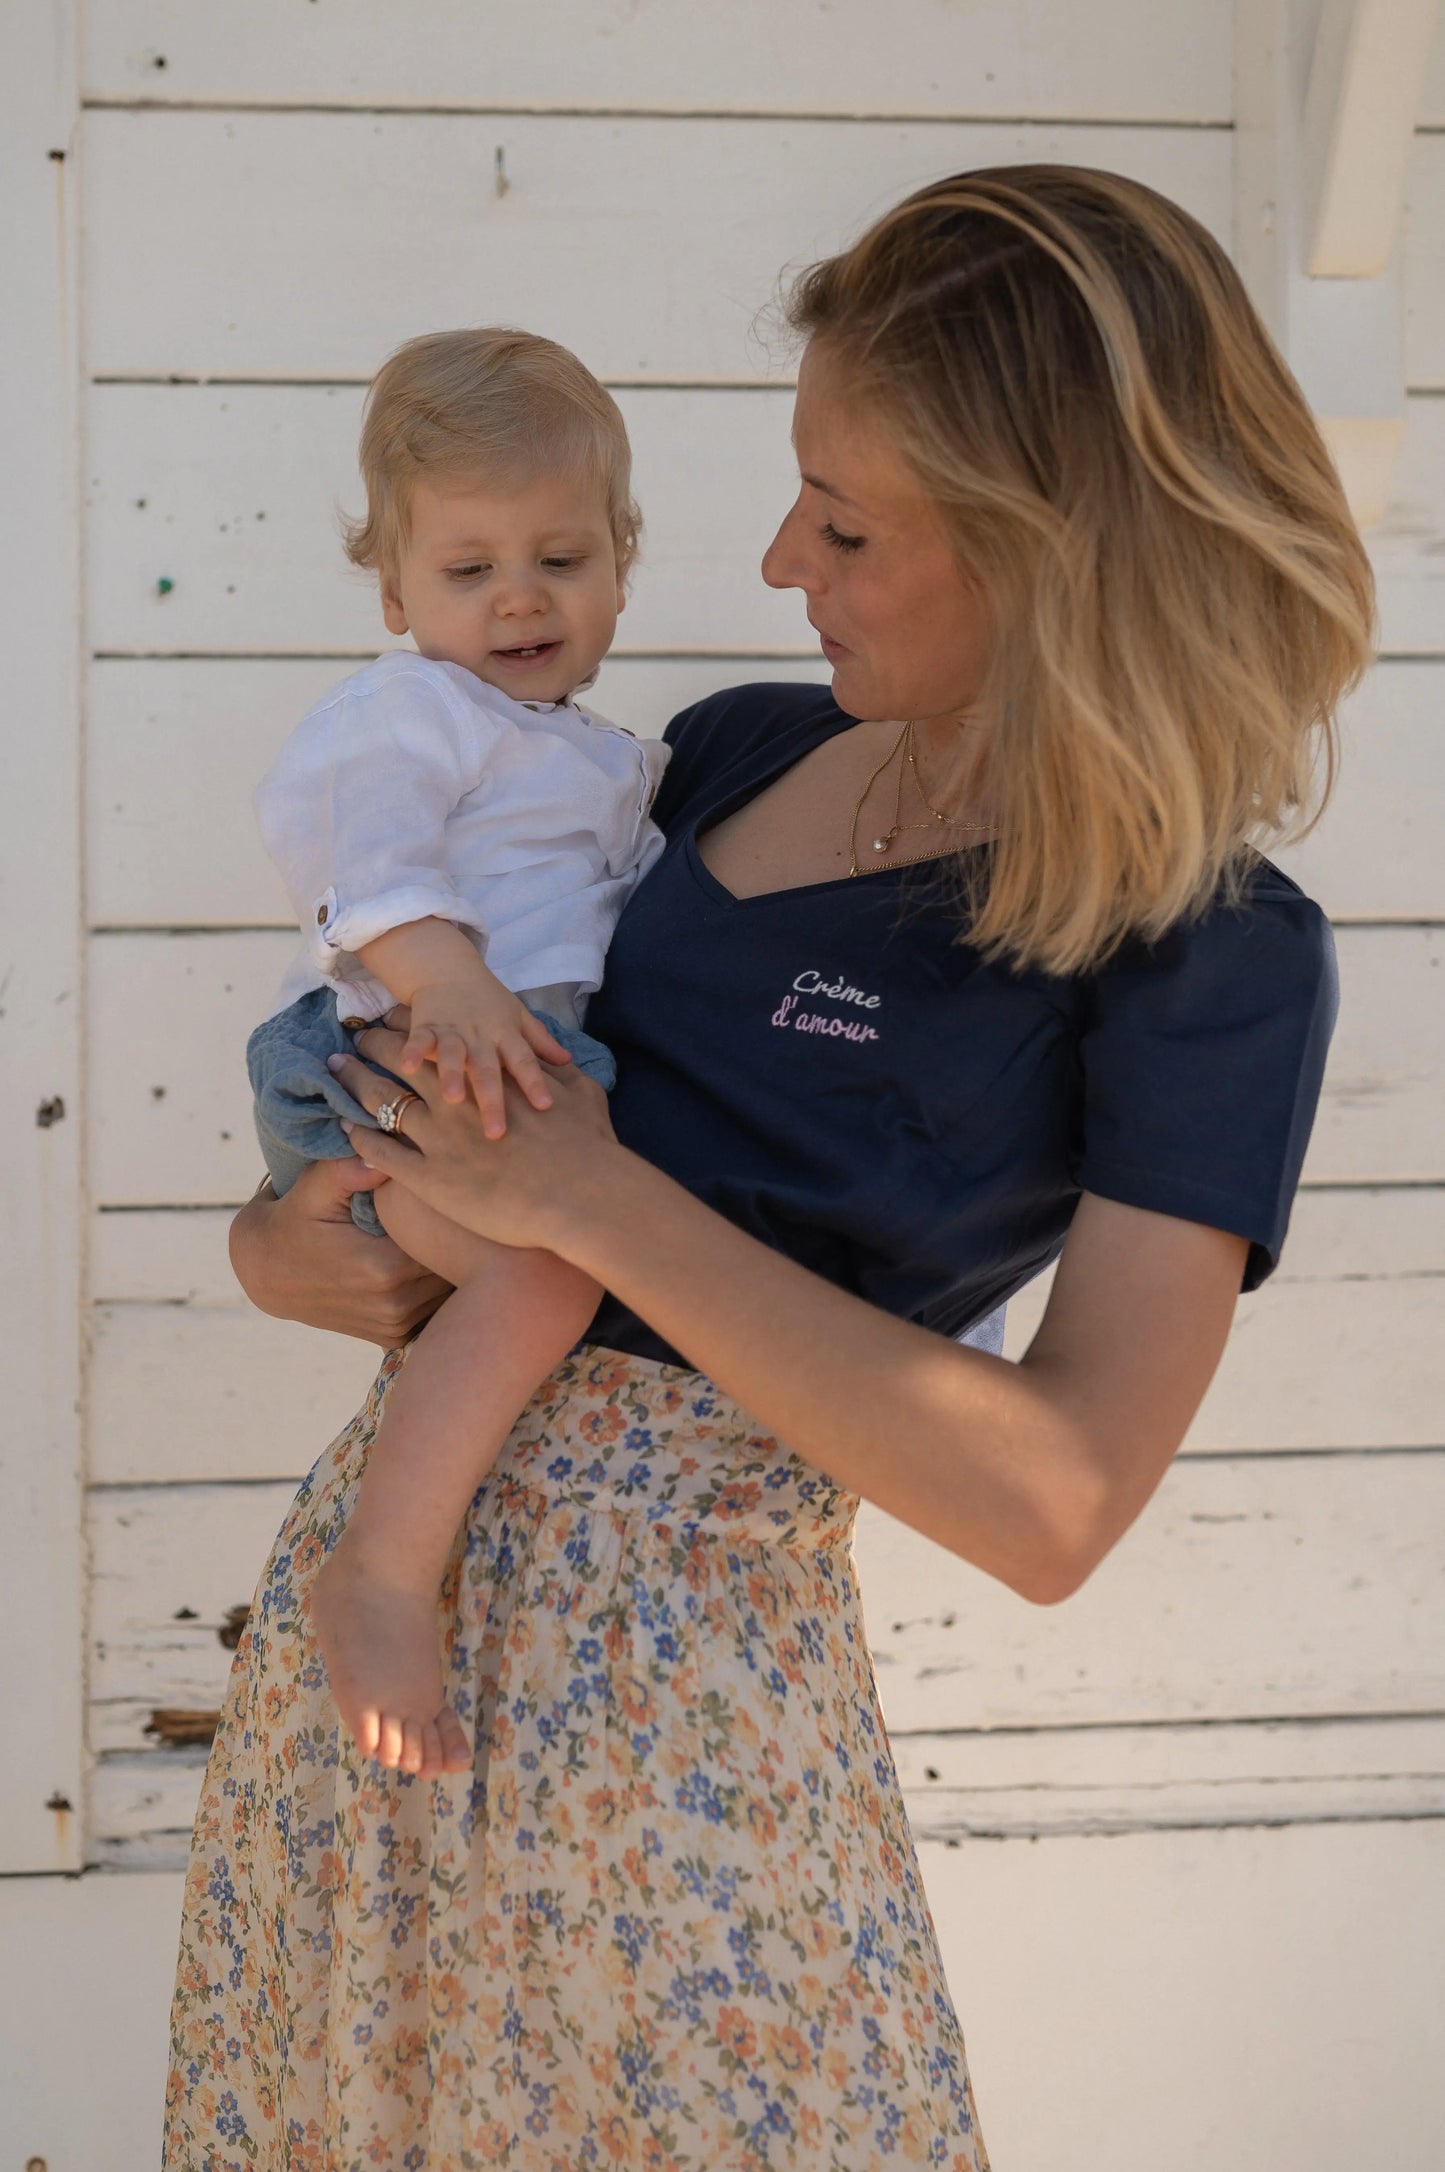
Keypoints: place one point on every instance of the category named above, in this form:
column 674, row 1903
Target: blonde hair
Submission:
column 495, row 403
column 1071, row 366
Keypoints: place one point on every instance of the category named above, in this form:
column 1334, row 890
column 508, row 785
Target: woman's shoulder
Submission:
column 722, row 738
column 1254, row 971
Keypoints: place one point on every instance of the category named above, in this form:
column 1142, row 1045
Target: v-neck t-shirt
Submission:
column 833, row 1070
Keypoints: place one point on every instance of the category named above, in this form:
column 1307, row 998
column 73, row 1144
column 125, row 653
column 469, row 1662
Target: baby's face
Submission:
column 515, row 581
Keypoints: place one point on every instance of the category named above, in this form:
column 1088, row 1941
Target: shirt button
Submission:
column 353, row 1025
column 321, row 916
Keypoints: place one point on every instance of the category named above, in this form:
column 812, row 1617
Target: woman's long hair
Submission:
column 1072, row 368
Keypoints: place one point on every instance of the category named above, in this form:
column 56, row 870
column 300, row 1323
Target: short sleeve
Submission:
column 1202, row 1059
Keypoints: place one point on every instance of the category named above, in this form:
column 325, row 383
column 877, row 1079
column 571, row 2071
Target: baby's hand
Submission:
column 473, row 1029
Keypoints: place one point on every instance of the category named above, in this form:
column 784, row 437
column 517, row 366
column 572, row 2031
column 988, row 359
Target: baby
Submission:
column 457, row 835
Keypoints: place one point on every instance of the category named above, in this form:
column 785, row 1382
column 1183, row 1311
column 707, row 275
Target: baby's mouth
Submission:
column 527, row 652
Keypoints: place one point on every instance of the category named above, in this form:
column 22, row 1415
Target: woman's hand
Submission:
column 516, row 1190
column 303, row 1258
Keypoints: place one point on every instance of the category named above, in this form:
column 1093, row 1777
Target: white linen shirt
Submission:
column 414, row 790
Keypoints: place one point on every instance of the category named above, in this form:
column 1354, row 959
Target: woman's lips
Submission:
column 832, row 649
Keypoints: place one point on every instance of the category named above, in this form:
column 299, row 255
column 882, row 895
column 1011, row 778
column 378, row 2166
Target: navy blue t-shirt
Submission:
column 833, row 1070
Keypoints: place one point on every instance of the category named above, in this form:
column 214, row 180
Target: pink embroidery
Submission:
column 835, row 1029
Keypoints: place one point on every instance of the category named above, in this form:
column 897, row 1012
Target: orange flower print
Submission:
column 787, row 2049
column 736, row 2033
column 761, row 1820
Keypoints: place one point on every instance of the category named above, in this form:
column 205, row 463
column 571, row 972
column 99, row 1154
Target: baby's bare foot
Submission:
column 380, row 1647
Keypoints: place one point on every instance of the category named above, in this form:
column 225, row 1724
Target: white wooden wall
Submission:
column 1220, row 1771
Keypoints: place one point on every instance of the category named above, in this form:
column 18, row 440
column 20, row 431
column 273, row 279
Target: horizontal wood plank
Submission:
column 595, row 241
column 997, row 1786
column 176, row 746
column 1271, row 1587
column 1379, row 1114
column 188, row 1391
column 230, row 493
column 1117, row 1779
column 171, row 1124
column 1121, row 57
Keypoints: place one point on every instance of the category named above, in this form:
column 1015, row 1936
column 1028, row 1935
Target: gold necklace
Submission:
column 899, row 826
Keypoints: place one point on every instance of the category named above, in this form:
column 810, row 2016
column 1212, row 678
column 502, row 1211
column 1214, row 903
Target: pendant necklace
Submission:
column 903, row 744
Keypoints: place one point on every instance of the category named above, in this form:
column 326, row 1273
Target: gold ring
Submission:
column 389, row 1116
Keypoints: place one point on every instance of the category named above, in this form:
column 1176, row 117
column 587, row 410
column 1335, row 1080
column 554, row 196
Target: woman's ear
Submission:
column 393, row 611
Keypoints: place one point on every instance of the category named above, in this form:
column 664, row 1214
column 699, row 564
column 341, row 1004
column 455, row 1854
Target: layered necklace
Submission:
column 904, row 745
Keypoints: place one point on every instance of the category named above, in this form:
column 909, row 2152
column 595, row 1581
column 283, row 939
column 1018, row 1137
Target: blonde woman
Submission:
column 966, row 965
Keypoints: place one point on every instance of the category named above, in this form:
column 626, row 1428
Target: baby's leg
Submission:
column 513, row 1316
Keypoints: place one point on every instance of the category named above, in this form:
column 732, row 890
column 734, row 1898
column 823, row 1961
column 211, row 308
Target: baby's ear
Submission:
column 393, row 611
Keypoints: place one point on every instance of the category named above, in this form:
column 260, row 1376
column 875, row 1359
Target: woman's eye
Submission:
column 839, row 542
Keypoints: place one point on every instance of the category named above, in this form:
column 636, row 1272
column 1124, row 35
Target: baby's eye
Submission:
column 465, row 573
column 565, row 561
column 839, row 542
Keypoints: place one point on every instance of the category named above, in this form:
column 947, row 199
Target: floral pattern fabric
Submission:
column 672, row 1920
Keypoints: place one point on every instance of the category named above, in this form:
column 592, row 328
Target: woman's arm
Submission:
column 303, row 1258
column 1030, row 1471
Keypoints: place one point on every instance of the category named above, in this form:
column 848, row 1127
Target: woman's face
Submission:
column 906, row 632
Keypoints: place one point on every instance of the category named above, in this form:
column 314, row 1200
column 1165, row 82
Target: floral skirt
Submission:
column 672, row 1920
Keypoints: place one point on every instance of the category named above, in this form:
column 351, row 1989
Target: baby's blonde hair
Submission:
column 1071, row 366
column 496, row 404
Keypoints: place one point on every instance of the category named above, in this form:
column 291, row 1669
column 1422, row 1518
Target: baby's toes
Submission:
column 411, row 1745
column 392, row 1741
column 454, row 1749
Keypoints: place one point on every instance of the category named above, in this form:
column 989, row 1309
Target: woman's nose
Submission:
column 784, row 565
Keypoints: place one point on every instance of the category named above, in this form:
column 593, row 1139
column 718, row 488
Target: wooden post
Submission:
column 1324, row 113
column 41, row 1586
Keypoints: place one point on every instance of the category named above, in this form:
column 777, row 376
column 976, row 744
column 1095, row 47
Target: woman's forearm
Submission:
column 960, row 1445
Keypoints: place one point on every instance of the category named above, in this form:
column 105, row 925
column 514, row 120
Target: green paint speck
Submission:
column 164, row 585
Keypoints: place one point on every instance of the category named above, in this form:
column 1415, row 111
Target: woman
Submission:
column 963, row 967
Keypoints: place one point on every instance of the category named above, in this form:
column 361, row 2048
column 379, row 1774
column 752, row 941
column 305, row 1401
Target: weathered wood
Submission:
column 1118, row 1779
column 1271, row 1587
column 216, row 1391
column 1424, row 253
column 1379, row 1116
column 41, row 1594
column 1261, row 1587
column 594, row 242
column 177, row 745
column 1364, row 88
column 821, row 56
column 179, row 475
column 170, row 1016
column 964, row 1786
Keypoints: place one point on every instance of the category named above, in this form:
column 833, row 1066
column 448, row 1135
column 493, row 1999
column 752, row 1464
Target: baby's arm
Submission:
column 462, row 1018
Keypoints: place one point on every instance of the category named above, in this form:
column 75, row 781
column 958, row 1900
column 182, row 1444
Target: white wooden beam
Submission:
column 1325, row 106
column 41, row 1596
column 1364, row 91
